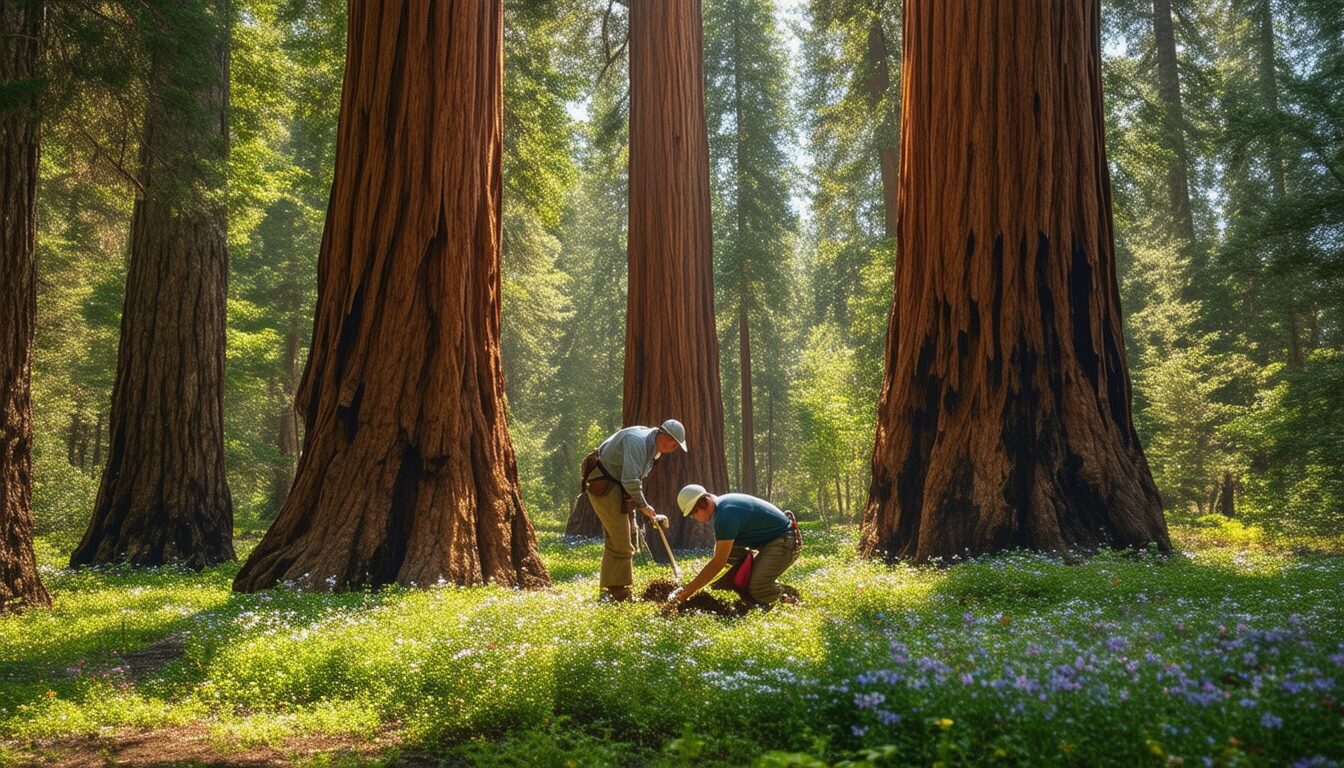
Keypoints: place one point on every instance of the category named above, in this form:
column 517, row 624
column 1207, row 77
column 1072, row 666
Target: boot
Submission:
column 617, row 594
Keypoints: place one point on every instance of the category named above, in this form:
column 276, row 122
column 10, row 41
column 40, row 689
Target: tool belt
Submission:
column 797, row 533
column 601, row 484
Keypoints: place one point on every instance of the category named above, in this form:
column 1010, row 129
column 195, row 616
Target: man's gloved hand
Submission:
column 660, row 521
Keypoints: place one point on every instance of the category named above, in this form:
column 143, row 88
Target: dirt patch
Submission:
column 702, row 602
column 142, row 663
column 192, row 745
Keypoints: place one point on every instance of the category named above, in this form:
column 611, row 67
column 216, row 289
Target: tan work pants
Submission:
column 770, row 561
column 618, row 549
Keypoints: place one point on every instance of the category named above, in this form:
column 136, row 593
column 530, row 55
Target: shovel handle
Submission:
column 675, row 570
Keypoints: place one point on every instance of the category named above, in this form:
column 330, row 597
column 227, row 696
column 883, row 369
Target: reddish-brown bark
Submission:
column 164, row 497
column 1004, row 418
column 672, row 349
column 20, row 586
column 408, row 474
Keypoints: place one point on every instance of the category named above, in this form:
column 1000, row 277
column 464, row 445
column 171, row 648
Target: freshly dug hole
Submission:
column 658, row 590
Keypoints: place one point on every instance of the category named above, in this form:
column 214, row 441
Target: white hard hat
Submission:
column 676, row 431
column 687, row 497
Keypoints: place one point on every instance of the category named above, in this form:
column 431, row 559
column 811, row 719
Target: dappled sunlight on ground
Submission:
column 1208, row 653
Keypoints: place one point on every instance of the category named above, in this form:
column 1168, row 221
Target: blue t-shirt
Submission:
column 748, row 521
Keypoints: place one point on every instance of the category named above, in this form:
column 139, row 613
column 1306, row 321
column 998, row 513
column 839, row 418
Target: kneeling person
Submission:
column 741, row 523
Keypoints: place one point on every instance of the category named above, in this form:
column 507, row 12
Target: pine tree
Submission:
column 747, row 104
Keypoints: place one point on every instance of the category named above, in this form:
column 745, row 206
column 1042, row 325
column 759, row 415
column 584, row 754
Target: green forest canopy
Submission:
column 1234, row 337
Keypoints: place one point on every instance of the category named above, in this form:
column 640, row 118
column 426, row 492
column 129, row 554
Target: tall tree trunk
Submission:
column 1227, row 504
column 1004, row 419
column 1269, row 92
column 164, row 497
column 1173, row 121
column 98, row 442
column 748, row 419
column 1297, row 357
column 888, row 138
column 672, row 350
column 747, row 474
column 840, row 510
column 583, row 518
column 770, row 446
column 72, row 438
column 408, row 473
column 287, row 420
column 849, row 503
column 1268, row 86
column 20, row 30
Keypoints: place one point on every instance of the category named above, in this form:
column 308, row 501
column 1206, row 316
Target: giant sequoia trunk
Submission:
column 163, row 496
column 1004, row 418
column 20, row 29
column 407, row 473
column 671, row 346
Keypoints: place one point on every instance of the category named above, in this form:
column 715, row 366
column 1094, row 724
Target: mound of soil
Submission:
column 658, row 590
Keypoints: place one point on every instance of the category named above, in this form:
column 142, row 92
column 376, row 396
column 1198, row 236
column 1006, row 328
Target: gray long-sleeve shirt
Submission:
column 628, row 456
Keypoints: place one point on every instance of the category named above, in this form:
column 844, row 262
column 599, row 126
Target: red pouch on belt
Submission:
column 743, row 576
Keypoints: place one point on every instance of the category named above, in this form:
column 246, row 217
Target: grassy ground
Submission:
column 1231, row 653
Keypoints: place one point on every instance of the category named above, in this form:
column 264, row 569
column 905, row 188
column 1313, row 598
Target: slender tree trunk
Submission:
column 408, row 473
column 748, row 419
column 888, row 137
column 1269, row 92
column 583, row 520
column 20, row 30
column 1227, row 504
column 287, row 421
column 1004, row 419
column 770, row 446
column 1268, row 87
column 747, row 475
column 840, row 510
column 849, row 504
column 98, row 442
column 1297, row 357
column 72, row 440
column 1173, row 120
column 672, row 349
column 164, row 497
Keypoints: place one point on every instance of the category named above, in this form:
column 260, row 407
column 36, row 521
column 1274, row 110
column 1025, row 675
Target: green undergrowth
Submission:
column 1228, row 654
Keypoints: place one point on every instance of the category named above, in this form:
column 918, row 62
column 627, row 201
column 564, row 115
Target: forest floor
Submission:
column 1229, row 653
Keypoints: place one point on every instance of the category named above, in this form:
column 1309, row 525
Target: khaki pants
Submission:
column 771, row 560
column 618, row 549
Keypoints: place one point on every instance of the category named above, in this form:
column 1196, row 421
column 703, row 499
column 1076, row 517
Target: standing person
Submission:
column 613, row 477
column 742, row 524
